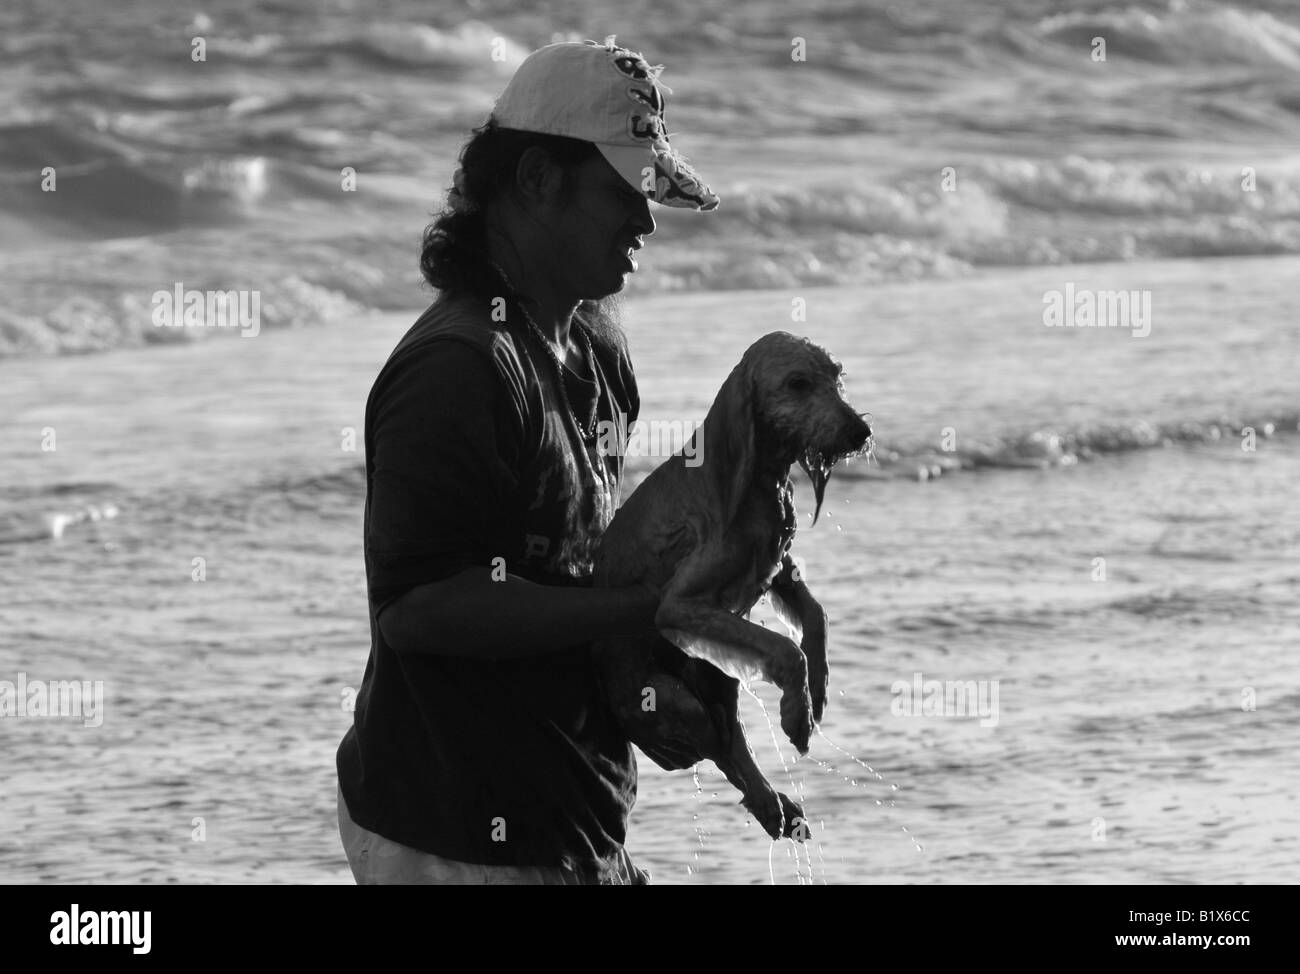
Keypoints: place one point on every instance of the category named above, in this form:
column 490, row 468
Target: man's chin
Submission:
column 610, row 287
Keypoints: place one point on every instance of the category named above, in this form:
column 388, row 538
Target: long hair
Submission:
column 454, row 256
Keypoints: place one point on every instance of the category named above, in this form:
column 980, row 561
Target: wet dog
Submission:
column 713, row 538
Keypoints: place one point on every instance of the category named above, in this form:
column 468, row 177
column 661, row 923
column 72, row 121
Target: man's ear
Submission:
column 538, row 178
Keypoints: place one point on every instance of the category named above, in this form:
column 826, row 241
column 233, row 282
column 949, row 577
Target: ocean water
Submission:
column 1145, row 702
column 227, row 173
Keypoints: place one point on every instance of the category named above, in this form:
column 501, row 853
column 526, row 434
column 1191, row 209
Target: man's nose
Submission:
column 644, row 219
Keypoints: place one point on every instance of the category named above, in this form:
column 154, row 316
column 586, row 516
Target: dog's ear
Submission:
column 729, row 439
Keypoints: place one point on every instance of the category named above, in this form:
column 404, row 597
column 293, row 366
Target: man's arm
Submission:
column 444, row 437
column 469, row 614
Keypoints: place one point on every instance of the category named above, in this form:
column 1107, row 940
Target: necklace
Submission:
column 587, row 432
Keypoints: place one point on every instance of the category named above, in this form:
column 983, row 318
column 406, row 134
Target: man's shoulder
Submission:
column 458, row 352
column 455, row 338
column 464, row 319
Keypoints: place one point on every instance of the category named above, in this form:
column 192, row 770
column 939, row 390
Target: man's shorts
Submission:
column 379, row 861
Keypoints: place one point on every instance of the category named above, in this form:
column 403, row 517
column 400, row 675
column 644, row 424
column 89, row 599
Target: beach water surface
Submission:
column 1120, row 750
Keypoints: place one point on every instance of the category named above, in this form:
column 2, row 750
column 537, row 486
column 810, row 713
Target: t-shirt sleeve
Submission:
column 443, row 437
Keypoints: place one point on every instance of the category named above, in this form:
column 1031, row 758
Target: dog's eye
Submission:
column 798, row 383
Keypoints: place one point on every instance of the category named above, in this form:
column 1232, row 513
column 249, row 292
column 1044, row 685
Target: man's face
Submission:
column 596, row 229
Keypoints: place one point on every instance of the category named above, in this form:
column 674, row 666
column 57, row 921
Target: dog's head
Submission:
column 783, row 402
column 801, row 409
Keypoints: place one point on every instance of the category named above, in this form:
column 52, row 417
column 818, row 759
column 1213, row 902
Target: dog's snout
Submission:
column 859, row 432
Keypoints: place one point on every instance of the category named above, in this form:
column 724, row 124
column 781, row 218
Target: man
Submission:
column 481, row 749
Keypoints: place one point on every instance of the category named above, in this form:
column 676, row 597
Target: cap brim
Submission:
column 674, row 182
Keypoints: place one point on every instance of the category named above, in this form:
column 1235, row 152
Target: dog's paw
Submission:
column 780, row 817
column 796, row 824
column 797, row 717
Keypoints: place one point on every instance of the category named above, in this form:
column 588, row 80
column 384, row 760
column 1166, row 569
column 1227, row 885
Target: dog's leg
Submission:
column 728, row 748
column 641, row 679
column 703, row 630
column 777, row 813
column 796, row 605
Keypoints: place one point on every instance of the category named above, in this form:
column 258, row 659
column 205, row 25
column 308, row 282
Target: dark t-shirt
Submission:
column 472, row 456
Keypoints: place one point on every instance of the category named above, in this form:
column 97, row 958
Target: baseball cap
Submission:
column 610, row 96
